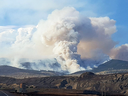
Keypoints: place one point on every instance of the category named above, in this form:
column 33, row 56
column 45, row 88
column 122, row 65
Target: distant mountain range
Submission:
column 112, row 66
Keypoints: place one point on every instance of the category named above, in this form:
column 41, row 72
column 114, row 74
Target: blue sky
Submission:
column 29, row 12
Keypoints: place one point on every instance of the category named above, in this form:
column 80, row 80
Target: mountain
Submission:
column 9, row 71
column 112, row 66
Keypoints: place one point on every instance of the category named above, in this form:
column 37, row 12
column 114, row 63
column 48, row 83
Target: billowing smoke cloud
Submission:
column 98, row 37
column 66, row 41
column 120, row 52
column 60, row 31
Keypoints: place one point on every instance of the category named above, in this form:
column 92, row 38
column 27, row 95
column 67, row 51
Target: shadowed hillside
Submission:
column 112, row 65
column 24, row 73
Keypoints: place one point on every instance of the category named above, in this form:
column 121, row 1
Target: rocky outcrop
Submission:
column 86, row 75
column 114, row 83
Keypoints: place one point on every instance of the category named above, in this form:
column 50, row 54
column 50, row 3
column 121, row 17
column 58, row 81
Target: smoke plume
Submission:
column 120, row 52
column 65, row 41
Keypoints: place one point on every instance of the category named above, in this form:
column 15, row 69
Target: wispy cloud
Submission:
column 15, row 12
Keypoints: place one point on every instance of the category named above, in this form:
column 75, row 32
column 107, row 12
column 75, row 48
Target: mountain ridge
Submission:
column 112, row 66
column 109, row 67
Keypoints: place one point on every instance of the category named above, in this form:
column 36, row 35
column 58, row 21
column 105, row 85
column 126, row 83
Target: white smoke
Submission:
column 76, row 42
